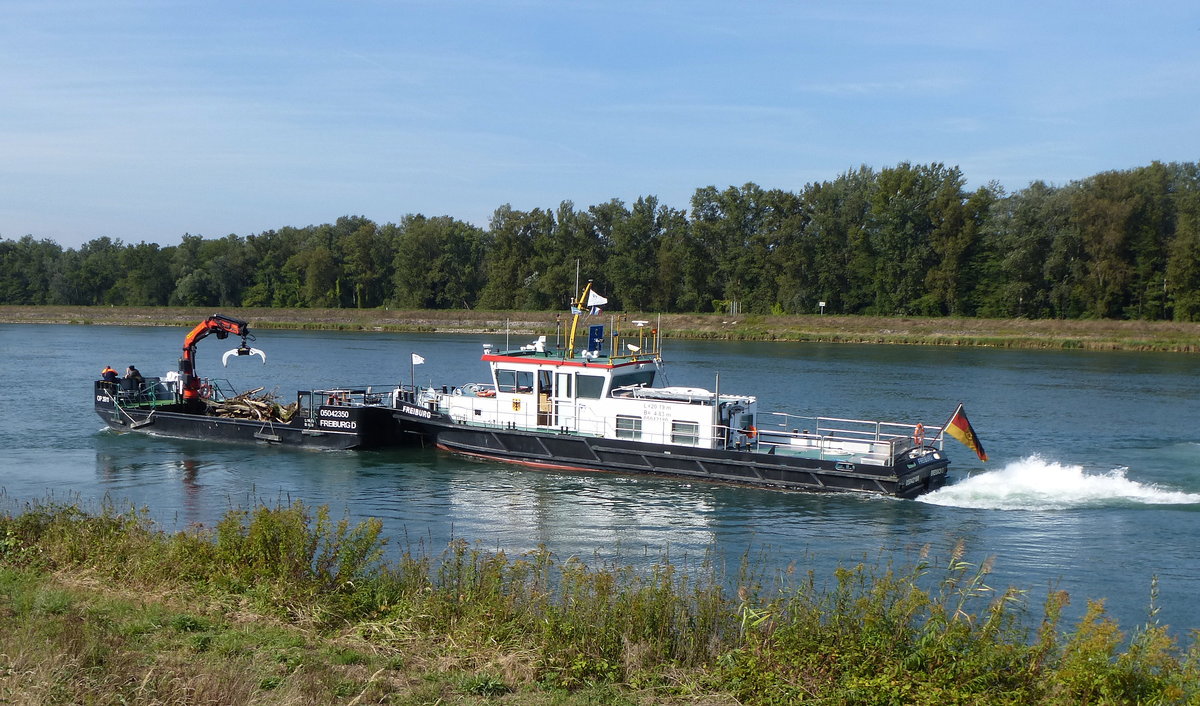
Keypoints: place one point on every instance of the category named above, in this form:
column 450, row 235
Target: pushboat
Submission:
column 185, row 405
column 554, row 407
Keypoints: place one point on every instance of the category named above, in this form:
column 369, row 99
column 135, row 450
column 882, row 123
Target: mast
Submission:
column 576, row 310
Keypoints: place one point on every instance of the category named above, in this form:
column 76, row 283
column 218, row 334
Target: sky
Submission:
column 146, row 120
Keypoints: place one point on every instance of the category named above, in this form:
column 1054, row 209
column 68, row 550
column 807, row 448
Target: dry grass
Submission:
column 1086, row 334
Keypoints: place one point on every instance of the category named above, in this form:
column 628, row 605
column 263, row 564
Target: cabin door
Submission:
column 564, row 401
column 545, row 407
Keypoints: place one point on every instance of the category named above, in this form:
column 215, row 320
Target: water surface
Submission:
column 1093, row 486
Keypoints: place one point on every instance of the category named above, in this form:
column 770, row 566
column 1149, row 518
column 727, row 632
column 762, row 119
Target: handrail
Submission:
column 823, row 429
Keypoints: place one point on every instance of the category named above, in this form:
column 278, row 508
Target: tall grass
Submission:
column 284, row 604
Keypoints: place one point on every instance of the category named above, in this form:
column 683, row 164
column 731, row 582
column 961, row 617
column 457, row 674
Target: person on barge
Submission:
column 134, row 377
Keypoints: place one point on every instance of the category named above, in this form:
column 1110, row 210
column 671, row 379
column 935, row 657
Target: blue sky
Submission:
column 146, row 120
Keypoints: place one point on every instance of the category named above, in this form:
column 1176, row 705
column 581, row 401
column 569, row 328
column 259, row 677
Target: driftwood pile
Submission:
column 251, row 405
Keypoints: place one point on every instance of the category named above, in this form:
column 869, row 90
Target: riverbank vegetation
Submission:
column 1077, row 334
column 286, row 605
column 908, row 240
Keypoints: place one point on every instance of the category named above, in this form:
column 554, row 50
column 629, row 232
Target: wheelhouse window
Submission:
column 685, row 433
column 644, row 378
column 590, row 386
column 629, row 427
column 514, row 380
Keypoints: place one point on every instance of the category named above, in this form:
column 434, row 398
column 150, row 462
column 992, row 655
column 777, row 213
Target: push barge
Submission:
column 558, row 408
column 186, row 405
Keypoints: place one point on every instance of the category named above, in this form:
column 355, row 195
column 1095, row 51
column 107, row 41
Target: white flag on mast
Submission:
column 416, row 359
column 595, row 299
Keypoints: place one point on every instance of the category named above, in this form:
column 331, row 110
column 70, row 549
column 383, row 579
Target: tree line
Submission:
column 903, row 240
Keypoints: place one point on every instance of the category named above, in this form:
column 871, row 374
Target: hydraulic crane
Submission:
column 220, row 326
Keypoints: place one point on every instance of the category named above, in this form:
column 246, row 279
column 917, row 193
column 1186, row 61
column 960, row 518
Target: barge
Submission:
column 556, row 407
column 185, row 405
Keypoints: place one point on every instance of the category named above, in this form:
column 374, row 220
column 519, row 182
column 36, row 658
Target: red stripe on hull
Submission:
column 520, row 462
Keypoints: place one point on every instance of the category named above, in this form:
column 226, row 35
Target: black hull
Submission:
column 549, row 449
column 334, row 428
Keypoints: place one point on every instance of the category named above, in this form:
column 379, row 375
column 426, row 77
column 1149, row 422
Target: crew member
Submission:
column 108, row 374
column 134, row 377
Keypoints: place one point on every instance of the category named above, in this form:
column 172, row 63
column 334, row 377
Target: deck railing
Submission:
column 875, row 438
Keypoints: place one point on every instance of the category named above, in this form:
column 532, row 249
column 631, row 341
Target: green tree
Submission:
column 903, row 216
column 681, row 275
column 224, row 260
column 1103, row 210
column 560, row 241
column 146, row 276
column 836, row 238
column 99, row 270
column 438, row 263
column 726, row 225
column 1020, row 233
column 1183, row 263
column 270, row 283
column 1152, row 228
column 957, row 243
column 187, row 259
column 780, row 257
column 631, row 249
column 27, row 269
column 368, row 262
column 317, row 272
column 508, row 260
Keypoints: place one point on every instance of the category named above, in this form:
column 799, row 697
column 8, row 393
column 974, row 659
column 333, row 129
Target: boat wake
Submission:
column 1034, row 483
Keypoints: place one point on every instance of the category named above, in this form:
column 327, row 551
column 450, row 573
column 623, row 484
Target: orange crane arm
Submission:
column 217, row 324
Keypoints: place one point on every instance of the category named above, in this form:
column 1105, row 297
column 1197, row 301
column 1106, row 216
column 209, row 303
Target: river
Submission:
column 1093, row 484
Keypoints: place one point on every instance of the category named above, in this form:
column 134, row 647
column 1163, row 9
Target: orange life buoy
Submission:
column 919, row 435
column 205, row 391
column 752, row 432
column 486, row 393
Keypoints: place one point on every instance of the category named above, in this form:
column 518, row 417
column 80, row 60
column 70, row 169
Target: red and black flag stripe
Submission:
column 960, row 428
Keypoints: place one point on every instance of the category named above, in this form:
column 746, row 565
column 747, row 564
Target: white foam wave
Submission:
column 1034, row 483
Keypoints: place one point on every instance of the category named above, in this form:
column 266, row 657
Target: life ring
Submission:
column 486, row 393
column 919, row 435
column 751, row 432
column 205, row 391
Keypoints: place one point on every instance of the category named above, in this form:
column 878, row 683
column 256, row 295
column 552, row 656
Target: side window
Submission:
column 629, row 427
column 591, row 386
column 524, row 381
column 506, row 380
column 685, row 433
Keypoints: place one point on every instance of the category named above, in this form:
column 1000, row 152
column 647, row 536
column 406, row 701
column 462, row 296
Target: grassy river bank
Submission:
column 1084, row 334
column 285, row 605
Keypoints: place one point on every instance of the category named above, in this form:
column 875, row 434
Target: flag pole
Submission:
column 942, row 433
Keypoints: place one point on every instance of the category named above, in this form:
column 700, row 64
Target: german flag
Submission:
column 960, row 428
